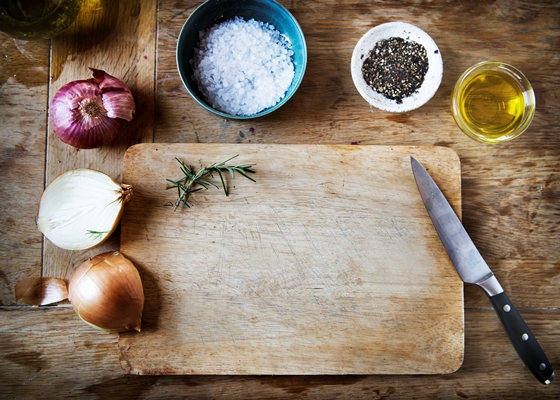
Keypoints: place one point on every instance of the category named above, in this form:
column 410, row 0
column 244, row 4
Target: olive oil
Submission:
column 36, row 19
column 493, row 103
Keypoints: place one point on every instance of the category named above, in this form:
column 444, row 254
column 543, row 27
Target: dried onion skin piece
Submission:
column 40, row 291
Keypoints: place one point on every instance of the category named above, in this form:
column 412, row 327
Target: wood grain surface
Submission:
column 510, row 193
column 329, row 264
column 119, row 38
column 23, row 99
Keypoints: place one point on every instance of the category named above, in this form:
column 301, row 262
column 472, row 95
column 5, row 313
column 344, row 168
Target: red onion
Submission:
column 87, row 113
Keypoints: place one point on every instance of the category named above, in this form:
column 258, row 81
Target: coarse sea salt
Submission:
column 243, row 67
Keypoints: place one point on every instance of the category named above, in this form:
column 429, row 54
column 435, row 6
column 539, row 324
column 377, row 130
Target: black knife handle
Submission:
column 522, row 339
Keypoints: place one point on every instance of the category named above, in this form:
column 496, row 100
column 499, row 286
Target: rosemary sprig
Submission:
column 96, row 234
column 194, row 181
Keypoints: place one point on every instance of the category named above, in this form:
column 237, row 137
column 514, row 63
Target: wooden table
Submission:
column 511, row 192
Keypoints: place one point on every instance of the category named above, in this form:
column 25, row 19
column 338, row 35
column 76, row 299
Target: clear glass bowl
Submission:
column 493, row 102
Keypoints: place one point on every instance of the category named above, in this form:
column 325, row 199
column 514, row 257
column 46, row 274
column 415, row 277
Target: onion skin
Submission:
column 87, row 114
column 106, row 292
column 40, row 291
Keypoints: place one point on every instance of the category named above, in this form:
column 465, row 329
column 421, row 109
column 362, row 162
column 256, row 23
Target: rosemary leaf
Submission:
column 195, row 181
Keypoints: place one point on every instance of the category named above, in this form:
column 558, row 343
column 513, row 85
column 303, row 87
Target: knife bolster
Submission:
column 491, row 286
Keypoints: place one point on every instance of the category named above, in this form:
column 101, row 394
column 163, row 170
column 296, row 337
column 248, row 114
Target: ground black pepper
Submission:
column 395, row 68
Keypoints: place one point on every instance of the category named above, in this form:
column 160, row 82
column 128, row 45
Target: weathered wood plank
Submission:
column 529, row 284
column 50, row 353
column 119, row 38
column 23, row 103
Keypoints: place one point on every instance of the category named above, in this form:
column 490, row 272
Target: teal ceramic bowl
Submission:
column 215, row 11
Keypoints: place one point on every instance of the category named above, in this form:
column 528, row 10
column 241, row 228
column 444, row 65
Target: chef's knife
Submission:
column 473, row 269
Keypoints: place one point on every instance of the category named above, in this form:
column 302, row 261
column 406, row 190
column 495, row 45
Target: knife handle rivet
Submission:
column 507, row 308
column 542, row 367
column 525, row 337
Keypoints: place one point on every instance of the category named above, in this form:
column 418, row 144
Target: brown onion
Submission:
column 106, row 292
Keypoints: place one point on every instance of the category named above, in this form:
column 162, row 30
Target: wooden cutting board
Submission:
column 328, row 264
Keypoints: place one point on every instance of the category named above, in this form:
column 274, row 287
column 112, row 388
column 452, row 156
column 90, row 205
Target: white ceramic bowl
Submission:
column 408, row 32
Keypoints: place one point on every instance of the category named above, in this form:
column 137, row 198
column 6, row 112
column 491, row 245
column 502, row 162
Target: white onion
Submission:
column 81, row 208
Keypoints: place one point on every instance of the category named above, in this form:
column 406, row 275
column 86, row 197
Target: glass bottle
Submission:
column 36, row 19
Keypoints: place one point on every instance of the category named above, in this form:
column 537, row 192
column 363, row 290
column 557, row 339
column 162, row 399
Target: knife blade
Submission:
column 472, row 268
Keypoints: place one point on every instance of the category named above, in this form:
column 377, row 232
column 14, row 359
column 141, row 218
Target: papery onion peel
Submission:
column 39, row 291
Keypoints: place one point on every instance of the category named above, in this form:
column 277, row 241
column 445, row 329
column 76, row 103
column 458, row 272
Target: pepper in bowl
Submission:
column 396, row 67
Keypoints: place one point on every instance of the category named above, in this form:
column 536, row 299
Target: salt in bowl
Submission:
column 216, row 11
